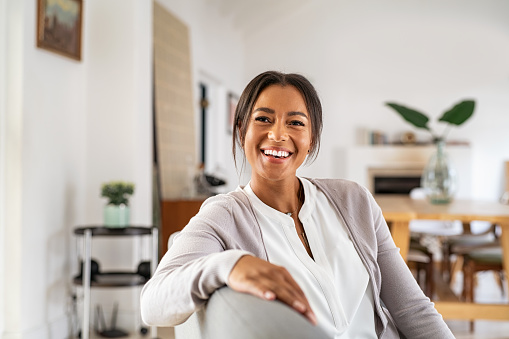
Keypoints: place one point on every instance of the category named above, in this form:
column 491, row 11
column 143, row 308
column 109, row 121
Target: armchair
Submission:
column 231, row 315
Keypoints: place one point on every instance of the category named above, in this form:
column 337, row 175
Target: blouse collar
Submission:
column 305, row 211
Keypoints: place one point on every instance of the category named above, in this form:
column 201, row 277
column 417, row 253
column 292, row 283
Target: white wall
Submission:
column 3, row 166
column 70, row 126
column 118, row 53
column 119, row 114
column 9, row 161
column 428, row 55
column 54, row 113
column 42, row 146
column 12, row 167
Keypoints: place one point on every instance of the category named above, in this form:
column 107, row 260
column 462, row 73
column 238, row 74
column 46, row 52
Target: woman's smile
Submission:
column 276, row 154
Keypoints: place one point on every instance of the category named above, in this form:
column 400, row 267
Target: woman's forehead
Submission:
column 281, row 97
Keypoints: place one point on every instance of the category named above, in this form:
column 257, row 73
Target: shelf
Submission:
column 114, row 231
column 109, row 279
column 114, row 279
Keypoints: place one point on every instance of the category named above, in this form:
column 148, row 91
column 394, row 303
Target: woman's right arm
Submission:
column 197, row 264
column 193, row 268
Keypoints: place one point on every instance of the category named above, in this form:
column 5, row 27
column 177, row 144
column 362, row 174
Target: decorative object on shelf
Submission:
column 408, row 138
column 439, row 176
column 59, row 26
column 116, row 212
column 205, row 183
column 100, row 323
column 378, row 138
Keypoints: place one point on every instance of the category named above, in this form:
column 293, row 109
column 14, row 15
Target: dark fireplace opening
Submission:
column 395, row 184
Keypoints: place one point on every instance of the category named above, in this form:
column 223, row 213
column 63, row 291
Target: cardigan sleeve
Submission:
column 193, row 268
column 414, row 314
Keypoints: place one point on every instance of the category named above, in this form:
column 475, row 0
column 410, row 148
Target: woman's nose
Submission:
column 278, row 132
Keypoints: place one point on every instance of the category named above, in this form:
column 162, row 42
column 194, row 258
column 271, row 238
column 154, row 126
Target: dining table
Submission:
column 400, row 210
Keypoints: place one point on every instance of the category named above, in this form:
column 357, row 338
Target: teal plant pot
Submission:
column 116, row 215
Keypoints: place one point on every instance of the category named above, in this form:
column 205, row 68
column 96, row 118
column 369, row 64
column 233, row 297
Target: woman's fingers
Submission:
column 295, row 299
column 267, row 281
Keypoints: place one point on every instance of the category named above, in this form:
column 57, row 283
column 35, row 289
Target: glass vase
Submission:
column 439, row 177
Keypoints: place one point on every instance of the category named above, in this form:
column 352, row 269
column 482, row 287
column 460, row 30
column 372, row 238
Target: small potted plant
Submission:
column 116, row 212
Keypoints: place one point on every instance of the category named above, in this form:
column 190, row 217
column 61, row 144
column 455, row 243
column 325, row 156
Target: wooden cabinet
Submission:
column 175, row 214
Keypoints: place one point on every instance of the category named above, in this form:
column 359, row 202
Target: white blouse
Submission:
column 336, row 282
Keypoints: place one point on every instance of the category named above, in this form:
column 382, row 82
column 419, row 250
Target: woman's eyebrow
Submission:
column 292, row 113
column 265, row 109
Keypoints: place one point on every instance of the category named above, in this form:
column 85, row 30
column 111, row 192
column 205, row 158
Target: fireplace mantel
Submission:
column 362, row 161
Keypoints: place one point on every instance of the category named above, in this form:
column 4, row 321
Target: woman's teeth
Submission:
column 276, row 154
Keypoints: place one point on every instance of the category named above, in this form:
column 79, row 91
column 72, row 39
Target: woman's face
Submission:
column 278, row 135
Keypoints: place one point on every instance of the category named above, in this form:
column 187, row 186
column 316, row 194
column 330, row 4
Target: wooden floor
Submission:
column 487, row 291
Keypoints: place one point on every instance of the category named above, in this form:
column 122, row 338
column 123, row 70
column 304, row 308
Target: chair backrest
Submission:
column 418, row 193
column 433, row 227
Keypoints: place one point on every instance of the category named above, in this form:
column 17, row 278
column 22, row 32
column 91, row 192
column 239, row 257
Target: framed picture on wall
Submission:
column 233, row 100
column 59, row 24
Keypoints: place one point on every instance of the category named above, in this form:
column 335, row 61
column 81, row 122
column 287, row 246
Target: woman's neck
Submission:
column 285, row 196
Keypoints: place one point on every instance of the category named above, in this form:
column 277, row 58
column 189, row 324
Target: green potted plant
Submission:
column 438, row 178
column 116, row 212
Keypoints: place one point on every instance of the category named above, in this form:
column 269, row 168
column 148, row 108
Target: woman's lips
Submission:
column 276, row 155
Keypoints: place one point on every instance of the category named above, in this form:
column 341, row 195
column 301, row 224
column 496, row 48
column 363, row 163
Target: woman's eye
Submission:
column 296, row 123
column 262, row 119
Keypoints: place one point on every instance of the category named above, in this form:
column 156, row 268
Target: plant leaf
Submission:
column 459, row 113
column 414, row 117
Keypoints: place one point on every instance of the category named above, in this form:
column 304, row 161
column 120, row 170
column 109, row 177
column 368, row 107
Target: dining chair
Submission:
column 430, row 233
column 420, row 260
column 486, row 259
column 476, row 235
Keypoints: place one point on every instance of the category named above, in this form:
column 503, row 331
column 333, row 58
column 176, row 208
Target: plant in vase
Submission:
column 116, row 212
column 438, row 178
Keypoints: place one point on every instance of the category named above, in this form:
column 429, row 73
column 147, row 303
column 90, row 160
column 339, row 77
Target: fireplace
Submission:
column 391, row 180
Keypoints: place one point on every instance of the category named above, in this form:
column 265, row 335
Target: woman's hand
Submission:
column 267, row 281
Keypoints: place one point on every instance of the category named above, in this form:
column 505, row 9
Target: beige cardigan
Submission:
column 225, row 229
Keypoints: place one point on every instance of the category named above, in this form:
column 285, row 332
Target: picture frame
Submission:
column 59, row 26
column 231, row 105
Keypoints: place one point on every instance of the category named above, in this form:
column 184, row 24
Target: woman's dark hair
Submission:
column 261, row 82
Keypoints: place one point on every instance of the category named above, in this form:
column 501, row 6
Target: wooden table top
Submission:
column 402, row 208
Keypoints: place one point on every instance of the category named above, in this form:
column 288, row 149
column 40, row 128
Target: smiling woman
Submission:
column 319, row 246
